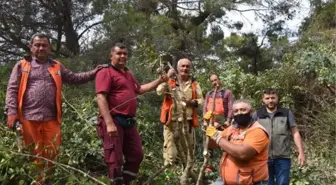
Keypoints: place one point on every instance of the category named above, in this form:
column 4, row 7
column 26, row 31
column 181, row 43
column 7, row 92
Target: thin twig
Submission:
column 150, row 179
column 58, row 164
column 206, row 143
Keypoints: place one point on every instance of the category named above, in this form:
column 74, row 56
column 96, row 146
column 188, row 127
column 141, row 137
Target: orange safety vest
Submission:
column 55, row 71
column 248, row 172
column 219, row 107
column 167, row 105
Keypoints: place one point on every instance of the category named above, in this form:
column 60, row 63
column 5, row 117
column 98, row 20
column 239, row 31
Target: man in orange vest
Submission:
column 245, row 146
column 34, row 99
column 185, row 96
column 223, row 110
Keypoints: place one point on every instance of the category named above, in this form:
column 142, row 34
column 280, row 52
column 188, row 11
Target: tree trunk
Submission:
column 71, row 41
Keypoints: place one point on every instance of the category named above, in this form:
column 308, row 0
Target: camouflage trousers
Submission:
column 174, row 145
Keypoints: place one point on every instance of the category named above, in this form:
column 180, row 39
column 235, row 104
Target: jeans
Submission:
column 220, row 182
column 279, row 170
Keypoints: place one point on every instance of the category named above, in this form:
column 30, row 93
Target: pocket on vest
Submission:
column 282, row 146
column 245, row 177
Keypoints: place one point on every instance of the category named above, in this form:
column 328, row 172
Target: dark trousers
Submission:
column 279, row 170
column 127, row 146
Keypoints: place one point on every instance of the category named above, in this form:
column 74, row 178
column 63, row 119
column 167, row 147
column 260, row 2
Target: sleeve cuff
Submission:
column 11, row 112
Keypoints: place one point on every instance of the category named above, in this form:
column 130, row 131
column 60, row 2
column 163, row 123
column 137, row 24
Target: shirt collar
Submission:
column 125, row 68
column 35, row 62
column 219, row 90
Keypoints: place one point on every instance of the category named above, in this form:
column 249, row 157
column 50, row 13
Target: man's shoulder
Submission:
column 193, row 80
column 25, row 59
column 257, row 126
column 258, row 130
column 105, row 68
column 261, row 111
column 209, row 93
column 282, row 111
column 226, row 90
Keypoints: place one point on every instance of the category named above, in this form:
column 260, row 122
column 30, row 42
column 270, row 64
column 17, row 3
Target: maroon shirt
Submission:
column 39, row 101
column 121, row 88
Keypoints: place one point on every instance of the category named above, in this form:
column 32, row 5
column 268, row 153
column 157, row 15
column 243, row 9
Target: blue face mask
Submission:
column 243, row 120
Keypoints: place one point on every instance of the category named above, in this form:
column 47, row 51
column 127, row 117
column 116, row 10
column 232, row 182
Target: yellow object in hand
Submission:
column 211, row 132
column 208, row 115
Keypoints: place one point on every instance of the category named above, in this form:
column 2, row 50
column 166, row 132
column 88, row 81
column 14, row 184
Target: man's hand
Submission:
column 208, row 115
column 213, row 133
column 191, row 103
column 216, row 124
column 301, row 159
column 99, row 67
column 163, row 78
column 171, row 72
column 111, row 129
column 11, row 119
column 227, row 123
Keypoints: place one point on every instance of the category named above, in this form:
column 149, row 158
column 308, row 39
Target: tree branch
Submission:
column 184, row 8
column 188, row 2
column 10, row 52
column 57, row 164
column 252, row 9
column 87, row 28
column 14, row 38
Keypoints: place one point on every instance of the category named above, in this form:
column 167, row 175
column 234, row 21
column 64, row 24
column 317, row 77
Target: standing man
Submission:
column 34, row 98
column 279, row 122
column 223, row 100
column 223, row 109
column 117, row 91
column 245, row 147
column 183, row 96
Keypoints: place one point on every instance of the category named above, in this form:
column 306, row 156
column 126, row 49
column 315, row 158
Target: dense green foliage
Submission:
column 304, row 73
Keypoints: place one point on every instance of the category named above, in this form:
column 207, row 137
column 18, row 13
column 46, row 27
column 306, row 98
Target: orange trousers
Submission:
column 43, row 138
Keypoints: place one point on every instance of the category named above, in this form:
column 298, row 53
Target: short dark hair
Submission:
column 118, row 45
column 270, row 91
column 41, row 35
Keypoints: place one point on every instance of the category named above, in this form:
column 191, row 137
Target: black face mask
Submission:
column 243, row 119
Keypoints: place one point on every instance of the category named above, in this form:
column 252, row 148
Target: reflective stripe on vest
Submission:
column 166, row 109
column 55, row 72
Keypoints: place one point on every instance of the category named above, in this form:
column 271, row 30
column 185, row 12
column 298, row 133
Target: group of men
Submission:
column 256, row 148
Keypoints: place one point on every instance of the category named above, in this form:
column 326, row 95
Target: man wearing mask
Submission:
column 34, row 99
column 245, row 147
column 223, row 100
column 279, row 122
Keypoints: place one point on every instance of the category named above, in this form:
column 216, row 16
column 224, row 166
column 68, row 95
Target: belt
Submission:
column 125, row 121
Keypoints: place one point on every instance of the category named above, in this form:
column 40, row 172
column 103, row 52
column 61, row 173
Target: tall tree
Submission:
column 185, row 28
column 65, row 21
